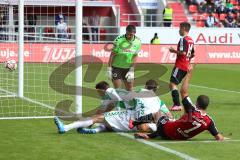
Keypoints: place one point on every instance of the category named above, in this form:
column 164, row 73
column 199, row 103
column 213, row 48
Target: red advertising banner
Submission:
column 44, row 52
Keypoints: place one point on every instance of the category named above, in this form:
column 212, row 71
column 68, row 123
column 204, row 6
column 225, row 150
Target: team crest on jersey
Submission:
column 114, row 74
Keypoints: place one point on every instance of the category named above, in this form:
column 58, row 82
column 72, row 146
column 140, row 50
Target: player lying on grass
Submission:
column 118, row 120
column 194, row 121
column 151, row 104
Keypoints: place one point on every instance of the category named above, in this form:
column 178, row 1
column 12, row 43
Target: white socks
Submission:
column 100, row 128
column 78, row 124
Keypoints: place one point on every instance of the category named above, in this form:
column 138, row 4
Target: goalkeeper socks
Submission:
column 175, row 97
column 78, row 124
column 144, row 119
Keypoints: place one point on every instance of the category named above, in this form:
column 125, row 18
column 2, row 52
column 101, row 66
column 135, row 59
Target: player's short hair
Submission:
column 151, row 85
column 102, row 85
column 202, row 102
column 186, row 26
column 131, row 28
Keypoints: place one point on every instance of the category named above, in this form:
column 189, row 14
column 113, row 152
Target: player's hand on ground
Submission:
column 109, row 73
column 171, row 49
column 141, row 136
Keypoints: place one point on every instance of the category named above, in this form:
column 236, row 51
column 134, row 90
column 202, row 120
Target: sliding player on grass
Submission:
column 194, row 121
column 118, row 120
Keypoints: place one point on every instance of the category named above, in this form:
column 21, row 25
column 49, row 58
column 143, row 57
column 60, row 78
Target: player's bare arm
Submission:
column 172, row 50
column 111, row 59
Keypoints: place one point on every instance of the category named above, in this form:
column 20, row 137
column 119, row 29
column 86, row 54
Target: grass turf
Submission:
column 38, row 139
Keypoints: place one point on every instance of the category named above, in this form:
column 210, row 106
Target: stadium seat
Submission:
column 222, row 16
column 197, row 17
column 102, row 34
column 216, row 15
column 237, row 7
column 204, row 16
column 193, row 9
column 69, row 31
column 47, row 31
column 234, row 2
column 200, row 24
column 234, row 16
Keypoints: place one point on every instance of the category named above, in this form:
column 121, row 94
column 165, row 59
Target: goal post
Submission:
column 37, row 38
column 78, row 56
column 20, row 48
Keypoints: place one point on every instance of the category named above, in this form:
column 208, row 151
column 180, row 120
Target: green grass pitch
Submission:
column 37, row 139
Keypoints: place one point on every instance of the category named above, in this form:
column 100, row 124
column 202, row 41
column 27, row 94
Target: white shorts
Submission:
column 119, row 120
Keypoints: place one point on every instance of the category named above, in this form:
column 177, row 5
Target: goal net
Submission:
column 49, row 51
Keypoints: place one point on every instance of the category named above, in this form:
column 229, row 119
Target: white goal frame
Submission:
column 78, row 60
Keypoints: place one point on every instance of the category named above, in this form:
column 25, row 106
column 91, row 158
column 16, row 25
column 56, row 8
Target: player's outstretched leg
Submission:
column 100, row 128
column 59, row 125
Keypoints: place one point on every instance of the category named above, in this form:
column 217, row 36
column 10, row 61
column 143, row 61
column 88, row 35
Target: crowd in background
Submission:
column 218, row 13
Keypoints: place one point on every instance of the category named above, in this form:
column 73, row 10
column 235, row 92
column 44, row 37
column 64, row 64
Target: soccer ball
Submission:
column 10, row 65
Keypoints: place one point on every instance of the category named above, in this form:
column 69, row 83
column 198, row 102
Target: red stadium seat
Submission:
column 193, row 9
column 47, row 31
column 216, row 15
column 234, row 16
column 102, row 34
column 237, row 7
column 69, row 31
column 234, row 2
column 197, row 17
column 200, row 24
column 222, row 16
column 205, row 16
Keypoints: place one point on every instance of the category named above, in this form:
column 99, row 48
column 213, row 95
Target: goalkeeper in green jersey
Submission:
column 123, row 58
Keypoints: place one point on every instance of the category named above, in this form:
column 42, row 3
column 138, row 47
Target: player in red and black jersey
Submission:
column 194, row 121
column 185, row 52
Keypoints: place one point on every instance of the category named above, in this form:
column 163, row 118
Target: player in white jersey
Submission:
column 118, row 120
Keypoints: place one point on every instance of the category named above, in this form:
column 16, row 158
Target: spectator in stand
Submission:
column 58, row 17
column 32, row 21
column 221, row 9
column 94, row 22
column 155, row 39
column 237, row 24
column 86, row 30
column 229, row 20
column 198, row 2
column 210, row 8
column 217, row 3
column 229, row 6
column 202, row 8
column 211, row 21
column 167, row 16
column 220, row 24
column 62, row 29
column 3, row 30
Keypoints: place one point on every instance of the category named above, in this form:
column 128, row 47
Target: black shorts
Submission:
column 160, row 126
column 119, row 73
column 177, row 75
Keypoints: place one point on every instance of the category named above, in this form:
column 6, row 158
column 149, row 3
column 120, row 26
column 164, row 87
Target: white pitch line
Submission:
column 14, row 118
column 197, row 141
column 157, row 146
column 215, row 89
